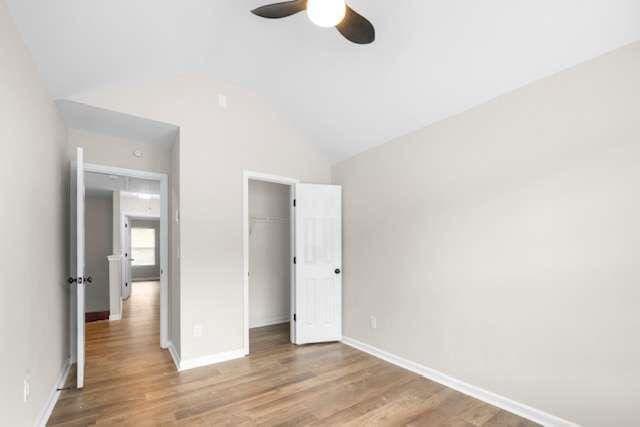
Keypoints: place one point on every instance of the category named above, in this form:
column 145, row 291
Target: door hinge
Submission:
column 294, row 203
column 294, row 317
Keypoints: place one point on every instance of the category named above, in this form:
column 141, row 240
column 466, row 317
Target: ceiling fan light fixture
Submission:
column 326, row 13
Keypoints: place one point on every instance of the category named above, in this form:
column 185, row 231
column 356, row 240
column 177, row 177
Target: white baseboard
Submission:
column 174, row 355
column 43, row 418
column 115, row 317
column 494, row 399
column 197, row 362
column 274, row 320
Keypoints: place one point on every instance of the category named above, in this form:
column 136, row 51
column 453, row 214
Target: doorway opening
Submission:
column 112, row 204
column 139, row 198
column 102, row 179
column 134, row 195
column 269, row 275
column 144, row 247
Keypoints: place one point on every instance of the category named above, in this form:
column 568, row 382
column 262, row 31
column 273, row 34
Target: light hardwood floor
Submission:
column 131, row 381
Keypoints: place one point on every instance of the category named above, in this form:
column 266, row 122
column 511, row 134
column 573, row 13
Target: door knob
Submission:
column 337, row 271
column 72, row 280
column 88, row 279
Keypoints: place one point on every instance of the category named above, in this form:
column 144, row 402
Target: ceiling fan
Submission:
column 325, row 13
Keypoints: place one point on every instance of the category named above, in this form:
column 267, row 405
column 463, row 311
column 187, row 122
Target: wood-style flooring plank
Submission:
column 130, row 381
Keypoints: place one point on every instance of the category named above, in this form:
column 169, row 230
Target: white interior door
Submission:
column 126, row 290
column 77, row 273
column 318, row 216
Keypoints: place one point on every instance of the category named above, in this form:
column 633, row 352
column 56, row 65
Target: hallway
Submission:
column 119, row 355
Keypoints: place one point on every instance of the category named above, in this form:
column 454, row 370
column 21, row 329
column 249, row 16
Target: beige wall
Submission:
column 113, row 151
column 269, row 253
column 98, row 240
column 215, row 146
column 499, row 246
column 34, row 305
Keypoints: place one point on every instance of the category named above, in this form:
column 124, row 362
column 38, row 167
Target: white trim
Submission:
column 293, row 326
column 174, row 355
column 269, row 321
column 211, row 359
column 257, row 176
column 43, row 418
column 489, row 397
column 164, row 234
column 197, row 362
column 113, row 317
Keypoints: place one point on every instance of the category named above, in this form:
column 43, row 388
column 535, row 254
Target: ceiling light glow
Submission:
column 326, row 13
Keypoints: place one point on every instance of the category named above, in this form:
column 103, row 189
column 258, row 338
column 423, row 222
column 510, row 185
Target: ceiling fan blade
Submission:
column 281, row 10
column 356, row 28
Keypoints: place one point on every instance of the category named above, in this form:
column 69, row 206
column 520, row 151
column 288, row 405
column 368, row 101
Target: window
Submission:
column 143, row 246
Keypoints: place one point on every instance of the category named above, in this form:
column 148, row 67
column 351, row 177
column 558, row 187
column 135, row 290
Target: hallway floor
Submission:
column 131, row 381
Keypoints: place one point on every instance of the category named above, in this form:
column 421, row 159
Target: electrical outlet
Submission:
column 197, row 331
column 373, row 322
column 27, row 389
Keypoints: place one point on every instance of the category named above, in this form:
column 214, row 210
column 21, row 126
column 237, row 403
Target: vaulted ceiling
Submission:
column 431, row 59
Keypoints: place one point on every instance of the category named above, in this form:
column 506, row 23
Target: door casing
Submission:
column 164, row 235
column 290, row 182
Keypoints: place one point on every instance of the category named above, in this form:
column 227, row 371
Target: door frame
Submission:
column 247, row 176
column 164, row 234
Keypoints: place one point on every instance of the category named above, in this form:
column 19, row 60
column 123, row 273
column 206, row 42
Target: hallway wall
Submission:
column 98, row 241
column 34, row 307
column 114, row 151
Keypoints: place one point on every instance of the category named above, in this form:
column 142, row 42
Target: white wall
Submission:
column 269, row 253
column 34, row 306
column 499, row 246
column 98, row 241
column 216, row 145
column 113, row 151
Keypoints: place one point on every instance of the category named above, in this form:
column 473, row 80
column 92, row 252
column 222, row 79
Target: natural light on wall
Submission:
column 143, row 246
